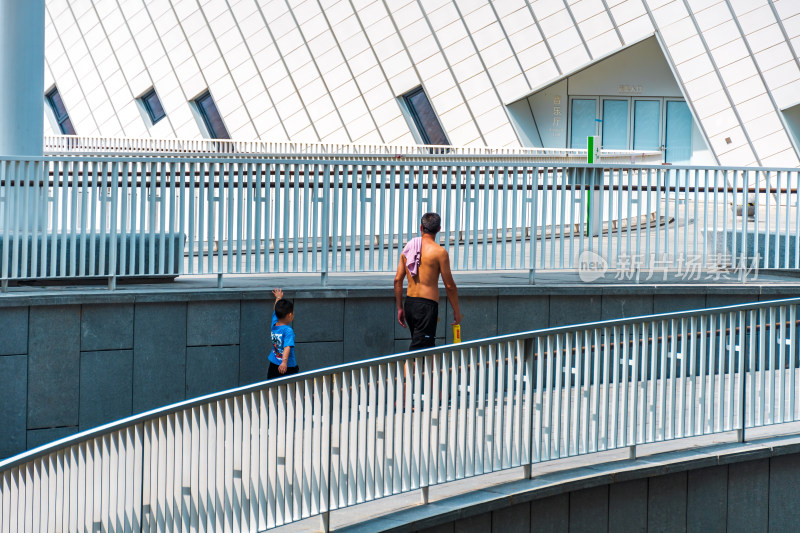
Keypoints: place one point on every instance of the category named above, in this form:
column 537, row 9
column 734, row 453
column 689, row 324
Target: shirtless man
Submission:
column 424, row 260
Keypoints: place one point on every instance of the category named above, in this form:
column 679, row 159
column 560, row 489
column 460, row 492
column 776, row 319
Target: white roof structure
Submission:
column 508, row 73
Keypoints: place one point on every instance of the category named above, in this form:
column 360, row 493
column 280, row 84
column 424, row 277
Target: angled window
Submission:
column 425, row 117
column 211, row 117
column 59, row 112
column 153, row 106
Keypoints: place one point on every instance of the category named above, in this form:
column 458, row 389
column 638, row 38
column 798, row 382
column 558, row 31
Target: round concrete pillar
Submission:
column 21, row 77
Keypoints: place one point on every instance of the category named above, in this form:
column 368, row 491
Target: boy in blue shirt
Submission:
column 281, row 355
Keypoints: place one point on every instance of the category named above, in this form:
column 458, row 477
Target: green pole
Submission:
column 589, row 160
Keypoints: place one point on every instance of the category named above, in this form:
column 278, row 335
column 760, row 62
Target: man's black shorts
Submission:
column 273, row 372
column 421, row 316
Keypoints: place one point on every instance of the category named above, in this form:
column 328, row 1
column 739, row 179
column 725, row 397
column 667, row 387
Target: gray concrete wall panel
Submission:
column 719, row 300
column 14, row 340
column 627, row 507
column 13, row 415
column 522, row 313
column 314, row 355
column 669, row 303
column 40, row 437
column 748, row 496
column 106, row 327
column 784, row 487
column 474, row 524
column 159, row 355
column 211, row 369
column 401, row 345
column 441, row 528
column 367, row 328
column 254, row 340
column 566, row 310
column 666, row 503
column 106, row 392
column 588, row 510
column 319, row 320
column 707, row 501
column 479, row 318
column 550, row 515
column 626, row 306
column 53, row 366
column 212, row 323
column 514, row 519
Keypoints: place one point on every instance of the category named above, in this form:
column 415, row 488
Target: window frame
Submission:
column 662, row 118
column 662, row 121
column 628, row 120
column 213, row 133
column 417, row 120
column 60, row 120
column 145, row 100
column 597, row 110
column 664, row 115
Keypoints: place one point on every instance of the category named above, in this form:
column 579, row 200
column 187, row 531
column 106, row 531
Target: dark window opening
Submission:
column 60, row 112
column 211, row 117
column 153, row 106
column 425, row 117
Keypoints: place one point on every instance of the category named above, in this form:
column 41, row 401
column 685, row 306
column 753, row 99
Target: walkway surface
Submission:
column 772, row 283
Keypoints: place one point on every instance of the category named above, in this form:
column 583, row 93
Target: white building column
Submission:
column 21, row 124
column 21, row 77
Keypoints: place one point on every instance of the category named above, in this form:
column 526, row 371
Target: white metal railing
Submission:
column 121, row 146
column 276, row 452
column 107, row 217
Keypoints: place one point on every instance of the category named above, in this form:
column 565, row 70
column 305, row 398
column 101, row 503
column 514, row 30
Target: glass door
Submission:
column 646, row 124
column 582, row 121
column 615, row 124
column 678, row 138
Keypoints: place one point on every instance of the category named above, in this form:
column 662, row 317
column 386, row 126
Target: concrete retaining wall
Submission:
column 747, row 489
column 71, row 362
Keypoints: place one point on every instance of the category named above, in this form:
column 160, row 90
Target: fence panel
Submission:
column 138, row 217
column 275, row 453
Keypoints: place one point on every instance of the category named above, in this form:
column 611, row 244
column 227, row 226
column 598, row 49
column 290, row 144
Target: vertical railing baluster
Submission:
column 637, row 419
column 792, row 343
column 671, row 381
column 624, row 417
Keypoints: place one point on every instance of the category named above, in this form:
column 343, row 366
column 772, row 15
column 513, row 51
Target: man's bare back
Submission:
column 433, row 262
column 426, row 283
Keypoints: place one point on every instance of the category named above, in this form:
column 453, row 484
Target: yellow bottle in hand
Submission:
column 456, row 333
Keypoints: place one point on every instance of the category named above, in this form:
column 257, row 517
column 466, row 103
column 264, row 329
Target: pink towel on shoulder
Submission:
column 413, row 252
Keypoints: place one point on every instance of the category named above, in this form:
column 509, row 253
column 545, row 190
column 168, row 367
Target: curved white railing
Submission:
column 121, row 146
column 277, row 452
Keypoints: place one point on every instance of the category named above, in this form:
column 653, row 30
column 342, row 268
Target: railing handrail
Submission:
column 283, row 159
column 356, row 365
column 406, row 149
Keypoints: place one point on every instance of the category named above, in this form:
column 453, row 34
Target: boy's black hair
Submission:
column 431, row 223
column 283, row 307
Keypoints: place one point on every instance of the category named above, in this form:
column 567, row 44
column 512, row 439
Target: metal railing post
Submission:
column 325, row 214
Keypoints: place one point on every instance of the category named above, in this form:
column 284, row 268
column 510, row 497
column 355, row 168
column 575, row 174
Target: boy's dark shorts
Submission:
column 273, row 372
column 421, row 316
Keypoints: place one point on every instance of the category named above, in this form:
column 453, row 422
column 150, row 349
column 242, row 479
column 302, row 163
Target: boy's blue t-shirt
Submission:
column 282, row 336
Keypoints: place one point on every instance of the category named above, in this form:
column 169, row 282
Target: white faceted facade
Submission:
column 337, row 70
